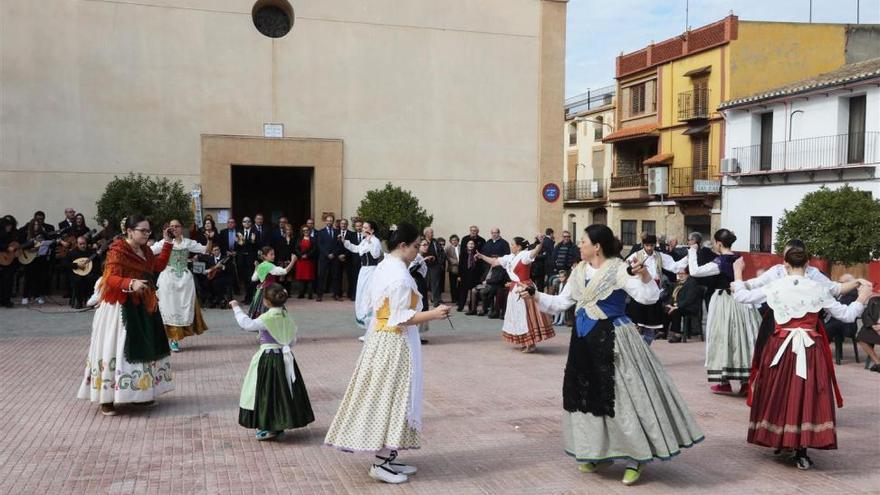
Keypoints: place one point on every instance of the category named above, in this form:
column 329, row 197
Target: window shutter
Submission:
column 650, row 104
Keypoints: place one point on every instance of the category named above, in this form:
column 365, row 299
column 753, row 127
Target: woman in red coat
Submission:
column 304, row 271
column 128, row 360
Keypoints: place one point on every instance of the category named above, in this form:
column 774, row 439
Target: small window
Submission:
column 761, row 234
column 700, row 149
column 598, row 125
column 637, row 99
column 572, row 134
column 649, row 227
column 628, row 232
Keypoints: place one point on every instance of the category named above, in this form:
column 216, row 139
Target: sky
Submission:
column 599, row 30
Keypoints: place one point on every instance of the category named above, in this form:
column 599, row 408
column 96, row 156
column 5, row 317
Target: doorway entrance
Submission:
column 273, row 191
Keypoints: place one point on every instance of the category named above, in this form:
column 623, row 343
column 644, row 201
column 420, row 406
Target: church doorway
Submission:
column 272, row 191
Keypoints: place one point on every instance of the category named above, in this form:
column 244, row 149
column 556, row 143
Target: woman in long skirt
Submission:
column 793, row 386
column 731, row 327
column 619, row 402
column 381, row 411
column 128, row 360
column 178, row 303
column 369, row 250
column 524, row 325
column 273, row 394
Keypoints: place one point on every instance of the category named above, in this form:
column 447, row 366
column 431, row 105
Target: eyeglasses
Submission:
column 144, row 231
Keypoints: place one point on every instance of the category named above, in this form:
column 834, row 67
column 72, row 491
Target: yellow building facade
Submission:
column 669, row 143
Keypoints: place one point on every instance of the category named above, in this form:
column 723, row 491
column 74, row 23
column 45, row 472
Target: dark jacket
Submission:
column 223, row 241
column 310, row 253
column 327, row 242
column 496, row 248
column 689, row 298
column 436, row 251
column 564, row 255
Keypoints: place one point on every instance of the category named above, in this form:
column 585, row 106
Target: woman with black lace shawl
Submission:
column 619, row 402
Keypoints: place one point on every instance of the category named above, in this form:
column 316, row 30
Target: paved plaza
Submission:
column 491, row 415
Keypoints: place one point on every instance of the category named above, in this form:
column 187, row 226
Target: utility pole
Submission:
column 687, row 8
column 857, row 11
column 811, row 11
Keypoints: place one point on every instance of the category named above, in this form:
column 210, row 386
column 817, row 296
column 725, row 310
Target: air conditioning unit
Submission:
column 730, row 166
column 658, row 181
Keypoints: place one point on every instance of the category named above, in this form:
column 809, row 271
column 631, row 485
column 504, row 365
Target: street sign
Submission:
column 707, row 186
column 273, row 130
column 550, row 192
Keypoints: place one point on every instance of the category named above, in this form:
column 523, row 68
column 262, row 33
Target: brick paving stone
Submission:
column 491, row 414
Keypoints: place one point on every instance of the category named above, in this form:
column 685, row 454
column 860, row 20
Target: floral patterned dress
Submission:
column 128, row 358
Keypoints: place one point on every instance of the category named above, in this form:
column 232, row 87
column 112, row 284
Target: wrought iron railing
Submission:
column 693, row 104
column 682, row 181
column 629, row 181
column 585, row 190
column 809, row 153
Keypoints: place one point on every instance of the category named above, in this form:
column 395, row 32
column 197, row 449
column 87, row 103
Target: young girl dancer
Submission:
column 273, row 395
column 381, row 411
column 267, row 273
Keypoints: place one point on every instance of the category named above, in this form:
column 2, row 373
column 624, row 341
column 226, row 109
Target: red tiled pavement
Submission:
column 492, row 421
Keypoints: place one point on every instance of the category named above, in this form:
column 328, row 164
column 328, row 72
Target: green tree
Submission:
column 391, row 205
column 841, row 225
column 159, row 199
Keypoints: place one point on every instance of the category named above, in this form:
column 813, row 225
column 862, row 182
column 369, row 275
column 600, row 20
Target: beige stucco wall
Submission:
column 443, row 98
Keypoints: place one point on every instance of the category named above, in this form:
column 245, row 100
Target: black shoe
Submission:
column 424, row 341
column 494, row 316
column 301, row 296
column 875, row 368
column 674, row 339
column 460, row 309
column 481, row 313
column 471, row 313
column 319, row 298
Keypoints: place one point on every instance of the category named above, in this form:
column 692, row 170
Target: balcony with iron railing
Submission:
column 629, row 185
column 693, row 105
column 589, row 100
column 692, row 181
column 809, row 154
column 585, row 190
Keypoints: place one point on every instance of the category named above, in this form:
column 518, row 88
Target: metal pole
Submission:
column 857, row 10
column 687, row 8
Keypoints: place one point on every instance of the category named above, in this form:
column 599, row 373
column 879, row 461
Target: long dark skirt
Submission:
column 275, row 409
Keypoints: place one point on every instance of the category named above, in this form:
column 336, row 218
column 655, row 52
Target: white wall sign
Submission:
column 273, row 130
column 707, row 186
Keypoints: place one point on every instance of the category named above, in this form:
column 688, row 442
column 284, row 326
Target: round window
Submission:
column 273, row 18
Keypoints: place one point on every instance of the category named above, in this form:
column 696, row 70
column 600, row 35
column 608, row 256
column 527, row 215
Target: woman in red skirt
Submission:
column 304, row 270
column 792, row 377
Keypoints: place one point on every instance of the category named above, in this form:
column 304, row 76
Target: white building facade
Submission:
column 790, row 141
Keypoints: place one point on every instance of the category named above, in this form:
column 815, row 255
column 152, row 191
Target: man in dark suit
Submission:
column 246, row 254
column 278, row 233
column 436, row 263
column 227, row 238
column 328, row 267
column 69, row 219
column 496, row 246
column 349, row 263
column 263, row 231
column 539, row 266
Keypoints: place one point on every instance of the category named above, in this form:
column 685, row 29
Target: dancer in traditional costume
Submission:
column 776, row 272
column 369, row 249
column 620, row 404
column 524, row 325
column 731, row 327
column 273, row 394
column 128, row 359
column 266, row 274
column 178, row 303
column 793, row 388
column 381, row 411
column 651, row 318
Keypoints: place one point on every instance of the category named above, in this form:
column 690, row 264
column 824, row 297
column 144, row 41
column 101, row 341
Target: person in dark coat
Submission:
column 469, row 272
column 685, row 306
column 328, row 267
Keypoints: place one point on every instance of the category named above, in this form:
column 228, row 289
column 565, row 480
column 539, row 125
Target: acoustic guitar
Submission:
column 7, row 257
column 83, row 266
column 214, row 270
column 31, row 249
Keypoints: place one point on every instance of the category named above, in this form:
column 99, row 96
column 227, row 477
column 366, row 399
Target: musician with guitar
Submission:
column 8, row 252
column 216, row 280
column 37, row 241
column 83, row 263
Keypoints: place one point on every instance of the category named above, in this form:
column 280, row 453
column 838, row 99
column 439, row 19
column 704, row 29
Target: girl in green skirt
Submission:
column 273, row 395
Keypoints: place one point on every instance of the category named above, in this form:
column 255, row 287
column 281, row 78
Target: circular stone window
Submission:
column 273, row 18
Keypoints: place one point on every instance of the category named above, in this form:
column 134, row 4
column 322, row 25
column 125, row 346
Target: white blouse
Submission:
column 185, row 243
column 276, row 270
column 669, row 263
column 794, row 296
column 644, row 293
column 509, row 262
column 368, row 245
column 777, row 272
